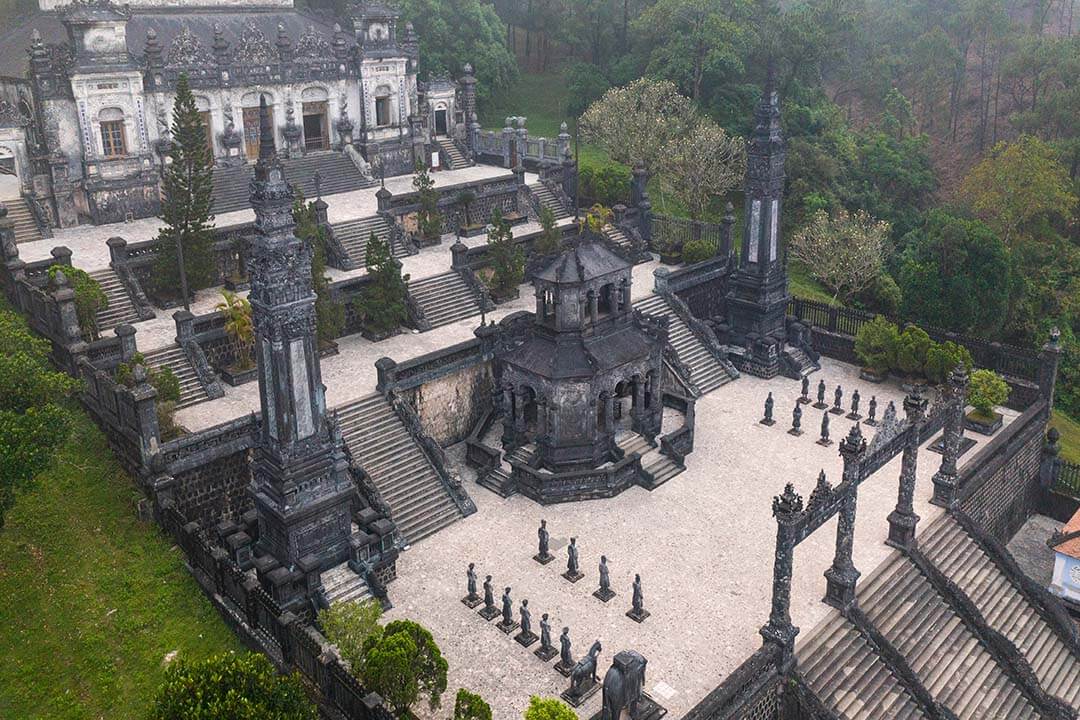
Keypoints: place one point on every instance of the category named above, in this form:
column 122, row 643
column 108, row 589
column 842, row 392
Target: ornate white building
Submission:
column 84, row 126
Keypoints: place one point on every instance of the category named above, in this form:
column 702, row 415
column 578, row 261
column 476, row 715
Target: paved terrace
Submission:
column 703, row 544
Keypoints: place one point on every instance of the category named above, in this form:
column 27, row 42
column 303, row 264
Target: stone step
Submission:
column 706, row 372
column 23, row 221
column 444, row 298
column 419, row 503
column 547, row 199
column 947, row 658
column 121, row 309
column 337, row 174
column 174, row 358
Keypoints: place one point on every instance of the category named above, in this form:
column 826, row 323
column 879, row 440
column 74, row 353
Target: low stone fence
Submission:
column 671, row 234
column 502, row 192
column 679, row 443
column 128, row 416
column 702, row 286
column 751, row 692
column 512, row 145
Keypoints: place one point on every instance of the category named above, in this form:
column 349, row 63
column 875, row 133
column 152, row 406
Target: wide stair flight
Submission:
column 26, row 227
column 174, row 358
column 419, row 503
column 337, row 174
column 354, row 236
column 1004, row 607
column 341, row 584
column 618, row 236
column 450, row 150
column 444, row 298
column 547, row 199
column 705, row 370
column 120, row 310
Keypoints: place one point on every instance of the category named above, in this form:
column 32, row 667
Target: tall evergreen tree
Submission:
column 188, row 201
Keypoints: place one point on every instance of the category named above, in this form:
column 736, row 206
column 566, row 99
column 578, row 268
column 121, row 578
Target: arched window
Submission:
column 113, row 136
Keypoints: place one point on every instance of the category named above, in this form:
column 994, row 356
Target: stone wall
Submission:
column 214, row 491
column 450, row 406
column 999, row 487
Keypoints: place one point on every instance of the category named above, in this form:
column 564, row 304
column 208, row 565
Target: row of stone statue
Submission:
column 573, row 573
column 836, row 409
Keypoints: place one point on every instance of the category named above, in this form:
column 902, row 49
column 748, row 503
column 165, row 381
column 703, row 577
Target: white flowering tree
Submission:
column 637, row 123
column 844, row 251
column 701, row 165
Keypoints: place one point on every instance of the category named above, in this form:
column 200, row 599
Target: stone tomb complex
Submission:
column 626, row 391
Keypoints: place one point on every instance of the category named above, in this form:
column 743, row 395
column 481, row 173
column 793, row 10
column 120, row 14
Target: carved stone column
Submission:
column 788, row 511
column 639, row 399
column 609, row 412
column 842, row 576
column 519, row 410
column 903, row 519
column 594, row 306
column 945, row 477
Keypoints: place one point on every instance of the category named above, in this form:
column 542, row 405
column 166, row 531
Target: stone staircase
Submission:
column 616, row 235
column 705, row 371
column 120, row 310
column 948, row 659
column 341, row 584
column 26, row 227
column 847, row 675
column 798, row 363
column 355, row 234
column 444, row 298
column 547, row 199
column 1004, row 607
column 378, row 440
column 659, row 468
column 174, row 358
column 632, row 442
column 450, row 150
column 337, row 174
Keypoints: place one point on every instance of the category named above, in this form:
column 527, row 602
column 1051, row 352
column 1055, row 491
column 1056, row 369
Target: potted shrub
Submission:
column 942, row 358
column 241, row 333
column 911, row 349
column 90, row 299
column 875, row 345
column 429, row 221
column 670, row 250
column 507, row 268
column 382, row 305
column 468, row 229
column 986, row 390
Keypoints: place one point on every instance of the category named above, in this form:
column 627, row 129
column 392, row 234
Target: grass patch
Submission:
column 1070, row 436
column 93, row 598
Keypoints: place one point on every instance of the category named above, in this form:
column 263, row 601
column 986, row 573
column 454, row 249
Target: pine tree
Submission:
column 382, row 303
column 186, row 207
column 507, row 257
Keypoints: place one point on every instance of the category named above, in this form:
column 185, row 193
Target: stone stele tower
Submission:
column 758, row 291
column 300, row 481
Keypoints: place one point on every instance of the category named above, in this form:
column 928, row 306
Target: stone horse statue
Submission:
column 623, row 685
column 583, row 676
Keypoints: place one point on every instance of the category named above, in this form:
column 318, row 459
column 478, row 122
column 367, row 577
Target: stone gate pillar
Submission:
column 842, row 576
column 945, row 478
column 902, row 519
column 788, row 511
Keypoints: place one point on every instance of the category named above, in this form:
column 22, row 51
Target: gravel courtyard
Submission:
column 703, row 544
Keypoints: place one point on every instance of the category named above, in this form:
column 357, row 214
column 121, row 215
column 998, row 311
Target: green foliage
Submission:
column 167, row 385
column 329, row 314
column 429, row 220
column 470, row 706
column 550, row 240
column 586, row 84
column 1067, row 391
column 911, row 349
column 695, row 251
column 956, row 273
column 507, row 257
column 876, row 344
column 455, row 32
column 388, row 671
column 883, row 295
column 382, row 302
column 548, row 709
column 986, row 390
column 33, row 419
column 238, row 327
column 428, row 664
column 188, row 199
column 941, row 358
column 349, row 625
column 605, row 183
column 465, row 199
column 231, row 687
column 89, row 297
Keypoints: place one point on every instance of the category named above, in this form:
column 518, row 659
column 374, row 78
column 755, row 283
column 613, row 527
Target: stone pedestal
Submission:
column 604, row 594
column 489, row 613
column 573, row 577
column 525, row 639
column 545, row 653
column 577, row 699
column 638, row 617
column 647, row 709
column 507, row 627
column 563, row 670
column 543, row 559
column 471, row 601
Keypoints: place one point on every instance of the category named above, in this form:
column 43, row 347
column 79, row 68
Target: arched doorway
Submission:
column 315, row 119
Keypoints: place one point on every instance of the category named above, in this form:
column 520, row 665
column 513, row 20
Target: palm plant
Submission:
column 239, row 327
